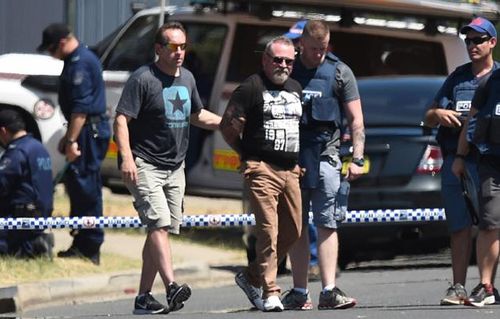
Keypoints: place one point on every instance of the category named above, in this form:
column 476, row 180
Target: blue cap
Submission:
column 295, row 31
column 480, row 25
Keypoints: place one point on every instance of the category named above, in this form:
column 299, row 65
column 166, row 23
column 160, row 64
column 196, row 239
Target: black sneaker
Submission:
column 497, row 296
column 177, row 295
column 74, row 252
column 146, row 304
column 481, row 295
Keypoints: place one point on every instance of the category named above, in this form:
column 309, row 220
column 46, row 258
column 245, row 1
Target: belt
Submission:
column 318, row 128
column 25, row 210
column 93, row 119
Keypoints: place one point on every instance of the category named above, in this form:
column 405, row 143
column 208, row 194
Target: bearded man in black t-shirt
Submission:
column 269, row 105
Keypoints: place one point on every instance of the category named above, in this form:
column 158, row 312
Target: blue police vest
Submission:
column 486, row 135
column 35, row 184
column 463, row 92
column 321, row 116
column 321, row 107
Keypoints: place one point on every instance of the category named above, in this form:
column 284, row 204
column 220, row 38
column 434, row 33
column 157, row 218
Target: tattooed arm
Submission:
column 231, row 127
column 354, row 115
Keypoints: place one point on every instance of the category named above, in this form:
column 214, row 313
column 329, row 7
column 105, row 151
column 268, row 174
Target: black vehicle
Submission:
column 403, row 162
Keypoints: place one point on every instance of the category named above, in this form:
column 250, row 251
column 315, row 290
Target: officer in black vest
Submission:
column 329, row 92
column 25, row 187
column 485, row 136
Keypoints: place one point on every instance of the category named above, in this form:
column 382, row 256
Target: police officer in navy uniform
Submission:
column 82, row 100
column 485, row 136
column 25, row 187
column 450, row 108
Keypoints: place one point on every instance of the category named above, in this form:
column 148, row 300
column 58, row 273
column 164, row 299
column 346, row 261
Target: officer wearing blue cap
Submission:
column 296, row 30
column 82, row 100
column 449, row 110
column 25, row 187
column 484, row 134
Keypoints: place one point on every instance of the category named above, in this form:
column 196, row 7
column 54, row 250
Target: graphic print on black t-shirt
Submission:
column 281, row 110
column 177, row 106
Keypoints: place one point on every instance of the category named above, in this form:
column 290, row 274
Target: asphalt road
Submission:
column 387, row 292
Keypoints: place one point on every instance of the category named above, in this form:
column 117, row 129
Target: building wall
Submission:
column 22, row 21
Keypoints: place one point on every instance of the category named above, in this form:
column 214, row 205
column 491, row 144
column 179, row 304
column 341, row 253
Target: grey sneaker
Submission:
column 177, row 295
column 335, row 299
column 146, row 304
column 294, row 300
column 481, row 295
column 455, row 295
column 253, row 294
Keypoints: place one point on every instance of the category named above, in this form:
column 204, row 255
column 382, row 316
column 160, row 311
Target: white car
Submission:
column 28, row 82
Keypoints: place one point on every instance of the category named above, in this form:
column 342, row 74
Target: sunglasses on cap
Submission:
column 174, row 46
column 279, row 60
column 476, row 40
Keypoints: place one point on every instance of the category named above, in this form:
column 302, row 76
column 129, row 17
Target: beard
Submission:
column 280, row 75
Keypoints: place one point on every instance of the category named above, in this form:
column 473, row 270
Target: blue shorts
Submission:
column 322, row 200
column 457, row 214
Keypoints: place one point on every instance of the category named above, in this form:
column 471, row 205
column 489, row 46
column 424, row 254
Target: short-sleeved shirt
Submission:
column 26, row 176
column 345, row 89
column 480, row 102
column 81, row 88
column 160, row 106
column 457, row 91
column 272, row 114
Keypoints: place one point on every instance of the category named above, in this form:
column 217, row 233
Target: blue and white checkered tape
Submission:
column 223, row 220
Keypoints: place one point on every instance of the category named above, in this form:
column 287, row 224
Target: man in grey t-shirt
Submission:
column 329, row 90
column 151, row 128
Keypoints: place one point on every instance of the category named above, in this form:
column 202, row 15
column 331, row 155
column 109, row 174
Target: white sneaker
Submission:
column 273, row 303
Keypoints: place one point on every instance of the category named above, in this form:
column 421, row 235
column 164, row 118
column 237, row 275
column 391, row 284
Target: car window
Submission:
column 247, row 49
column 135, row 47
column 398, row 101
column 205, row 43
column 380, row 55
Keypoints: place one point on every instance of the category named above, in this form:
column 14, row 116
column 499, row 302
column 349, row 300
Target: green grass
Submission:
column 15, row 271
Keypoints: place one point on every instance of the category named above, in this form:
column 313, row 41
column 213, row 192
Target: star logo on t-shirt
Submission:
column 178, row 103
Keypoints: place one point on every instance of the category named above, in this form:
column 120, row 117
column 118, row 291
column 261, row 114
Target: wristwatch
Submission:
column 359, row 161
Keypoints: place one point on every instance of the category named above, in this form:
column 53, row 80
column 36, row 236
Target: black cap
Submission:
column 9, row 116
column 52, row 35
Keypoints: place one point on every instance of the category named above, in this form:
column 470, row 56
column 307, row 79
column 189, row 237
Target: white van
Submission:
column 225, row 42
column 372, row 37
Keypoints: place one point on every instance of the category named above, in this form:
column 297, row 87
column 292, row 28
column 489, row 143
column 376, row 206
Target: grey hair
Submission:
column 280, row 39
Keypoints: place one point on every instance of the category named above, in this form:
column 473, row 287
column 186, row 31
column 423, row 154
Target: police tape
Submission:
column 223, row 220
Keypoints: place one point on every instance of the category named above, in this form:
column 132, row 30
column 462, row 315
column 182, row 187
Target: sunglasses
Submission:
column 476, row 40
column 175, row 46
column 279, row 60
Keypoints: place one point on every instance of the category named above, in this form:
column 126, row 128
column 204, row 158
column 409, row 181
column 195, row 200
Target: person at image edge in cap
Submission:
column 82, row 101
column 482, row 130
column 451, row 105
